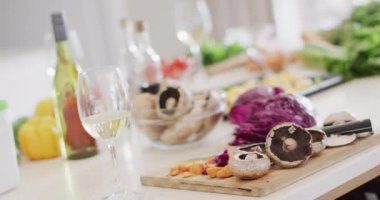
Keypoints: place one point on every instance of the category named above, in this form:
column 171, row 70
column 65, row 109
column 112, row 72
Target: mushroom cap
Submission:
column 256, row 147
column 249, row 165
column 151, row 88
column 338, row 118
column 318, row 140
column 362, row 135
column 173, row 101
column 288, row 145
column 341, row 118
column 340, row 140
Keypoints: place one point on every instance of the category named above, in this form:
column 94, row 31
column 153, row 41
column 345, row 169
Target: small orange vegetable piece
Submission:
column 183, row 167
column 174, row 171
column 196, row 168
column 211, row 172
column 225, row 172
column 210, row 160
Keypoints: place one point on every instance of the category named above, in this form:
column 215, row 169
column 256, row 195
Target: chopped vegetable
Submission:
column 222, row 159
column 251, row 101
column 258, row 110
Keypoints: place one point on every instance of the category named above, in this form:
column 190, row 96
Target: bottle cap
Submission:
column 3, row 105
column 59, row 29
column 124, row 23
column 141, row 25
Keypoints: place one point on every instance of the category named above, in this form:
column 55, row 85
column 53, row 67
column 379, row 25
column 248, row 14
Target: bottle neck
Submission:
column 129, row 40
column 63, row 51
column 143, row 41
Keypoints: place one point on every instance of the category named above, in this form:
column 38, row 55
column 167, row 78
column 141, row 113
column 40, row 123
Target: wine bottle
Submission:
column 75, row 142
column 150, row 71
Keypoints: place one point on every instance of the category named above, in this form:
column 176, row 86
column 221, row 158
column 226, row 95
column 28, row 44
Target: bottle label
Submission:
column 76, row 136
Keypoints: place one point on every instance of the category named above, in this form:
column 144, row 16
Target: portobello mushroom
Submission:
column 288, row 145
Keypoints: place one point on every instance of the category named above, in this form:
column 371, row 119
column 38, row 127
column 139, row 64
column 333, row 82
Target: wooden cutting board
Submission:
column 273, row 181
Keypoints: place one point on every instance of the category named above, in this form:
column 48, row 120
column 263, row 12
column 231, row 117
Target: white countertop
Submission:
column 89, row 179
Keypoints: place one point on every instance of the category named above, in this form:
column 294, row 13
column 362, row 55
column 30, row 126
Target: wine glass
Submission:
column 193, row 25
column 104, row 109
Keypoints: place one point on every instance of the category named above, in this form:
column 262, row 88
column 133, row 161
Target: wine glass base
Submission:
column 125, row 195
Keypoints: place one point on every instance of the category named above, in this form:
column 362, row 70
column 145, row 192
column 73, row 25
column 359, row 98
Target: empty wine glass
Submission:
column 104, row 109
column 193, row 25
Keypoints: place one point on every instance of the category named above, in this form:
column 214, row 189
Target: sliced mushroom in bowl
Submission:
column 176, row 117
column 172, row 101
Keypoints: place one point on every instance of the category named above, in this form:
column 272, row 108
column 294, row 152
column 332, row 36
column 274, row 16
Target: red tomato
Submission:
column 164, row 64
column 180, row 63
column 174, row 69
column 165, row 67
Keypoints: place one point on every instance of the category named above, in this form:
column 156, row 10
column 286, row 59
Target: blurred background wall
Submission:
column 25, row 27
column 25, row 24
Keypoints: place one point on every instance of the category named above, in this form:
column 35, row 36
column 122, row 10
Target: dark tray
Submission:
column 327, row 81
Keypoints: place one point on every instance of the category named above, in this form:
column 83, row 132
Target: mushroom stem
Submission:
column 290, row 144
column 170, row 103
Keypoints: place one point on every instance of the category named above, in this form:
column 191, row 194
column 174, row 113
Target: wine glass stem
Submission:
column 196, row 52
column 197, row 72
column 115, row 163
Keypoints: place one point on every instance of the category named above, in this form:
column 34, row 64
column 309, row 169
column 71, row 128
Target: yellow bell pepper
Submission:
column 38, row 138
column 45, row 107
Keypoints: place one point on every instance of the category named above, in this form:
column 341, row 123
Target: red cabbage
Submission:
column 222, row 159
column 260, row 109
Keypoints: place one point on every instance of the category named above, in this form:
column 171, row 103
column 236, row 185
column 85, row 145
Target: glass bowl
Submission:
column 199, row 119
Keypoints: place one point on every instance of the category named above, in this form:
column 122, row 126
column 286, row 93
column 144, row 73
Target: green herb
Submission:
column 354, row 46
column 214, row 51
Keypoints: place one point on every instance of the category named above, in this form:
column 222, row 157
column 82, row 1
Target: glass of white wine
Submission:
column 193, row 25
column 104, row 109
